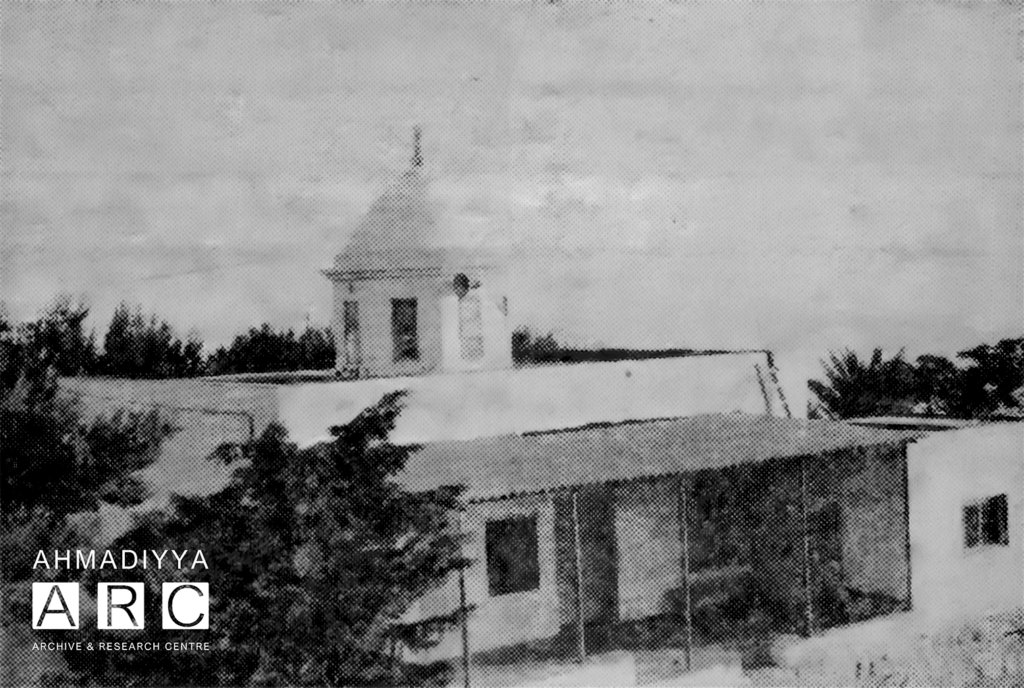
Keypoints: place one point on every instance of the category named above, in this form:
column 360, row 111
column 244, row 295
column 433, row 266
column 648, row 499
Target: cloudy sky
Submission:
column 794, row 175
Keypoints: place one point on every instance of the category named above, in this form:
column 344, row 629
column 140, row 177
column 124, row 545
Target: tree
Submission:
column 52, row 457
column 947, row 389
column 266, row 350
column 316, row 349
column 54, row 463
column 994, row 376
column 139, row 347
column 989, row 383
column 57, row 340
column 854, row 388
column 528, row 347
column 313, row 554
column 938, row 386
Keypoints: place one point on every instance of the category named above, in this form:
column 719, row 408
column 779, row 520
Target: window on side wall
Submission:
column 512, row 564
column 350, row 339
column 985, row 522
column 405, row 339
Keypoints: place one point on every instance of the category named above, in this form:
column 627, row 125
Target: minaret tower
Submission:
column 407, row 302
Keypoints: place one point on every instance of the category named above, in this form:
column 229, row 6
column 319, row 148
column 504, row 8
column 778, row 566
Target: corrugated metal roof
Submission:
column 497, row 467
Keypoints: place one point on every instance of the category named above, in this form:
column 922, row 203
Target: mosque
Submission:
column 648, row 499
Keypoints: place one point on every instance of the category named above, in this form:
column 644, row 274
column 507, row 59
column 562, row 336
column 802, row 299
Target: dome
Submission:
column 402, row 231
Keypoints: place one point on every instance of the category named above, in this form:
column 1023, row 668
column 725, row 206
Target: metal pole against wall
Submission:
column 684, row 527
column 906, row 523
column 462, row 611
column 808, row 609
column 580, row 632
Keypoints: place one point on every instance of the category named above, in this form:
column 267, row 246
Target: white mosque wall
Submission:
column 468, row 405
column 375, row 336
column 455, row 406
column 497, row 340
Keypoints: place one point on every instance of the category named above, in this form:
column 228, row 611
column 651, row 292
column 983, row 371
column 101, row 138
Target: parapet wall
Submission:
column 211, row 395
column 471, row 405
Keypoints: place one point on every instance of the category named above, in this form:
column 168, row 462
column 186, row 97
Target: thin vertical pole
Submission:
column 905, row 454
column 808, row 609
column 462, row 612
column 684, row 527
column 580, row 633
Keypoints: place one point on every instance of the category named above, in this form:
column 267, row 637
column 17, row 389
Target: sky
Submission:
column 795, row 175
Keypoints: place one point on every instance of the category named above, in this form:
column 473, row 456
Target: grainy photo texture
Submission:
column 511, row 343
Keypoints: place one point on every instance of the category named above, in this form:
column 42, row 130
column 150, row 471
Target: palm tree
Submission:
column 854, row 388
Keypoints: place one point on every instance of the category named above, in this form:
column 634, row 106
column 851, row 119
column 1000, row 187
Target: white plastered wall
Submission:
column 948, row 470
column 376, row 346
column 503, row 620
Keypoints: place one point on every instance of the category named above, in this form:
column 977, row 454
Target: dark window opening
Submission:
column 825, row 526
column 405, row 339
column 350, row 340
column 716, row 533
column 985, row 522
column 512, row 564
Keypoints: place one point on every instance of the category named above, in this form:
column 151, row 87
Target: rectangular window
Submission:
column 985, row 522
column 512, row 564
column 717, row 538
column 350, row 341
column 826, row 532
column 405, row 340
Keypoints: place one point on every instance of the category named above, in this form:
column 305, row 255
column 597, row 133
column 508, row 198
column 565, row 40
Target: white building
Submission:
column 967, row 520
column 613, row 494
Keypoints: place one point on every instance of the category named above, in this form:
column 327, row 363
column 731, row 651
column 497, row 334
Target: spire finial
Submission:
column 417, row 157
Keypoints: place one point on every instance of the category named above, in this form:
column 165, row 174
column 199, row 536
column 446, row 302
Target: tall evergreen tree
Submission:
column 53, row 463
column 56, row 341
column 316, row 349
column 529, row 347
column 314, row 555
column 139, row 347
column 266, row 350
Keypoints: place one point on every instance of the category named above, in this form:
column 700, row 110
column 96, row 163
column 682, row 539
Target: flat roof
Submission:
column 499, row 467
column 561, row 356
column 915, row 422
